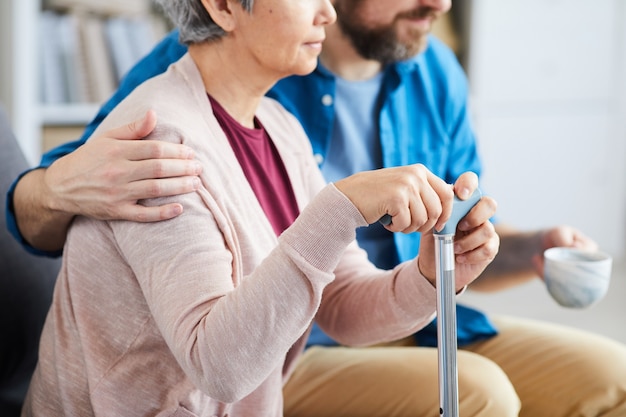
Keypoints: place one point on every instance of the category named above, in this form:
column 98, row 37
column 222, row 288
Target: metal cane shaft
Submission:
column 446, row 307
column 446, row 326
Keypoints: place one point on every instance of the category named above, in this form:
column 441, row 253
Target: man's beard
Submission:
column 380, row 43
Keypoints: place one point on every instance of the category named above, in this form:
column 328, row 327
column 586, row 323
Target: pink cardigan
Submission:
column 206, row 314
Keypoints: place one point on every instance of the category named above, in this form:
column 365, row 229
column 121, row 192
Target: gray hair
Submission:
column 192, row 20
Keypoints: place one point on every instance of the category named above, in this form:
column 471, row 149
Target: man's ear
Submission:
column 221, row 12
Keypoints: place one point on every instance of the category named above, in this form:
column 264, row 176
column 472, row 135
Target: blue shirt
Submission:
column 354, row 147
column 423, row 119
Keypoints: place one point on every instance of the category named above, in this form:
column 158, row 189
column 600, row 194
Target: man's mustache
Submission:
column 420, row 13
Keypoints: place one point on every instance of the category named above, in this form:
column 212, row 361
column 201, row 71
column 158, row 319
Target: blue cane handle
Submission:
column 459, row 209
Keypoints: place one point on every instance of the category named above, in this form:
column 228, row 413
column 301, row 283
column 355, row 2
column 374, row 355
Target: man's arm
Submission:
column 104, row 177
column 520, row 258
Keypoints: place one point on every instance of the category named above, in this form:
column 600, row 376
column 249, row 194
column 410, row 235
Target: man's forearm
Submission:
column 513, row 264
column 41, row 225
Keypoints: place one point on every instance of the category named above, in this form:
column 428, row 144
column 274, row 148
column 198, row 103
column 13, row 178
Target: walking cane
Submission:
column 446, row 307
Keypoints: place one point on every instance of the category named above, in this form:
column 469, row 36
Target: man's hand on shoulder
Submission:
column 104, row 179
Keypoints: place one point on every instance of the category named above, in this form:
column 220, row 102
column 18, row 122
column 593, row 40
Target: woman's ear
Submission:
column 221, row 12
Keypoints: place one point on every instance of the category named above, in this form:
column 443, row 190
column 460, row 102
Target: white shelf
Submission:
column 68, row 114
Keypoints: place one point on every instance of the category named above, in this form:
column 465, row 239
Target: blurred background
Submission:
column 548, row 96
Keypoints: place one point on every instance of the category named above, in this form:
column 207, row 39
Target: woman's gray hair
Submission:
column 193, row 21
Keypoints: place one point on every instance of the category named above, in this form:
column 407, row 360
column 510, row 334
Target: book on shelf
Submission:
column 141, row 33
column 72, row 58
column 130, row 39
column 52, row 79
column 101, row 77
column 120, row 45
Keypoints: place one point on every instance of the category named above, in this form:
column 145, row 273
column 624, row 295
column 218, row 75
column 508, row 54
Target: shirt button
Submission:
column 327, row 100
column 319, row 158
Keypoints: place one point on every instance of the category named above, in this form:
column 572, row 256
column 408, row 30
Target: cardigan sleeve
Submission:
column 241, row 333
column 365, row 305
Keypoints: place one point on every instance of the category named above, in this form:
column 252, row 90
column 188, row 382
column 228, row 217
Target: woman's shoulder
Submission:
column 169, row 95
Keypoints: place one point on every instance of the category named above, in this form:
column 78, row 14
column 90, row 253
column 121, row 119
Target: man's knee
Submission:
column 484, row 388
column 600, row 385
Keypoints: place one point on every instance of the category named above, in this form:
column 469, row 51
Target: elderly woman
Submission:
column 205, row 314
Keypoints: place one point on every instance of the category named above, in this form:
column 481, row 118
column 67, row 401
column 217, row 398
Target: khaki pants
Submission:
column 531, row 369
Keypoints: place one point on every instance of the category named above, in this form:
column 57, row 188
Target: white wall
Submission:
column 19, row 83
column 5, row 52
column 620, row 123
column 548, row 96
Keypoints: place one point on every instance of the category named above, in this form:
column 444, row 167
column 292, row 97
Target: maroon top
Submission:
column 263, row 168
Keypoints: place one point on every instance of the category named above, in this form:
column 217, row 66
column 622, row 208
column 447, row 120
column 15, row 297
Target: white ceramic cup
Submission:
column 576, row 278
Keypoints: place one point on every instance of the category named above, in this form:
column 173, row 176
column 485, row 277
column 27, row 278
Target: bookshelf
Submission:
column 64, row 58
